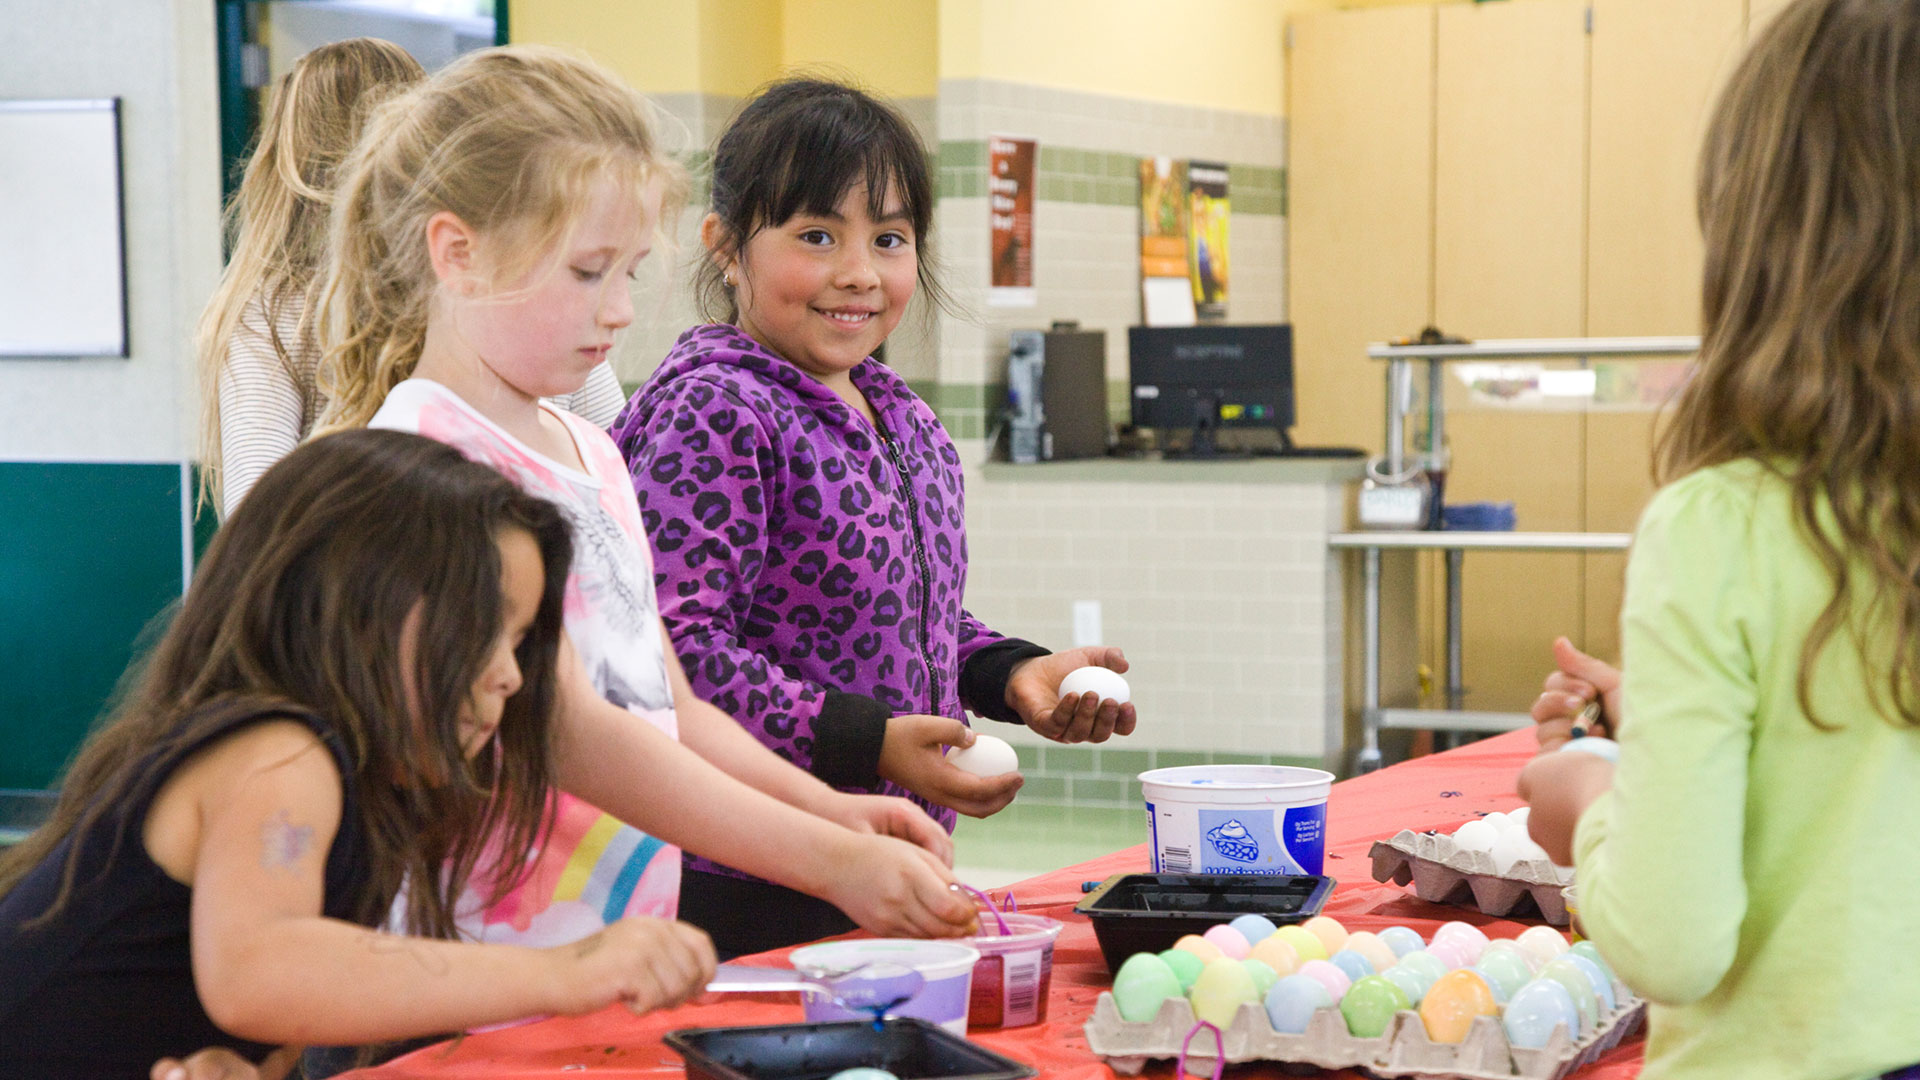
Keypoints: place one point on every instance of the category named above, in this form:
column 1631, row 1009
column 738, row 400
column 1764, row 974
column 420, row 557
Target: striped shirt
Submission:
column 267, row 404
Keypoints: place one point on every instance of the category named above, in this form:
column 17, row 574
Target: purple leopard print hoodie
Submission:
column 810, row 574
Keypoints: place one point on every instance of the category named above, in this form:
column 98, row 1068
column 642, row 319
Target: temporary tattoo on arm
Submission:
column 283, row 844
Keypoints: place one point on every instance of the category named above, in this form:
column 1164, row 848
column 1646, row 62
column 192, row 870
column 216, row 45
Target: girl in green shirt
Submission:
column 1747, row 865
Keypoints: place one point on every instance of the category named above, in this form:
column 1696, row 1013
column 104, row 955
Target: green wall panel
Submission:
column 89, row 555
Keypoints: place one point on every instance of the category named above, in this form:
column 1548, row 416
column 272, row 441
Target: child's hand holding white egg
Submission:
column 989, row 755
column 1073, row 696
column 1103, row 681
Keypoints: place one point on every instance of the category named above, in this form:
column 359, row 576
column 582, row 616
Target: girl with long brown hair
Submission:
column 1744, row 864
column 354, row 694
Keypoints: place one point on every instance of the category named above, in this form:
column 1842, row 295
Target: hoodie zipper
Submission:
column 919, row 559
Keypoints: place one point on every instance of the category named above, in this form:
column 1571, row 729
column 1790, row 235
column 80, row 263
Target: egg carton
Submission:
column 1403, row 1051
column 1444, row 874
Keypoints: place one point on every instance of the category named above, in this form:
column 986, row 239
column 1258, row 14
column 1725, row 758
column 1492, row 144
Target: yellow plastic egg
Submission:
column 1305, row 945
column 1274, row 952
column 1198, row 946
column 1333, row 936
column 1450, row 1006
column 1223, row 986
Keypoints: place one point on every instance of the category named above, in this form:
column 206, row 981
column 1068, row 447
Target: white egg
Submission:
column 1514, row 846
column 1499, row 821
column 1518, row 819
column 1103, row 681
column 1476, row 836
column 989, row 755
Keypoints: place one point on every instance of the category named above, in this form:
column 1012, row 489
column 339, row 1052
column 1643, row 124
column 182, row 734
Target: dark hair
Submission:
column 300, row 602
column 798, row 147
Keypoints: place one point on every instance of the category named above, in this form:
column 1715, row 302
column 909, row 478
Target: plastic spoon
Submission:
column 877, row 988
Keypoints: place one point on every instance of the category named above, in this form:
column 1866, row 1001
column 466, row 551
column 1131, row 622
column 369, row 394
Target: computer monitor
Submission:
column 1199, row 379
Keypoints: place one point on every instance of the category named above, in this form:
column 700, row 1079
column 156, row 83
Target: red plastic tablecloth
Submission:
column 1439, row 791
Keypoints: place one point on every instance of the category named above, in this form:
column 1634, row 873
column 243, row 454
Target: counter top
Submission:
column 1263, row 470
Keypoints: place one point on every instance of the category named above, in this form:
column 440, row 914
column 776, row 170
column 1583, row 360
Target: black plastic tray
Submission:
column 1134, row 913
column 907, row 1047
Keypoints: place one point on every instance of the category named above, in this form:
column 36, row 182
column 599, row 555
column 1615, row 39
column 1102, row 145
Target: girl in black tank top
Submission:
column 354, row 694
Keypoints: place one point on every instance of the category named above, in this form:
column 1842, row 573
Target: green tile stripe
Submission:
column 1100, row 178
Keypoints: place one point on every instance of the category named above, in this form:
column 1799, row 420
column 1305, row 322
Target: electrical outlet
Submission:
column 1086, row 623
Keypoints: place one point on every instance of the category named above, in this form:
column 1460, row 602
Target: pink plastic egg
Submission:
column 1229, row 941
column 1327, row 975
column 1468, row 936
column 1451, row 952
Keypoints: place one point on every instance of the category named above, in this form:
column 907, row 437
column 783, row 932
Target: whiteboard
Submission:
column 63, row 276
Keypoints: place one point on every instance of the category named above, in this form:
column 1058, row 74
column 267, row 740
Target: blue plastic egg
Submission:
column 1409, row 981
column 1253, row 927
column 1536, row 1009
column 1292, row 1002
column 1602, row 986
column 1402, row 940
column 1500, row 991
column 1356, row 966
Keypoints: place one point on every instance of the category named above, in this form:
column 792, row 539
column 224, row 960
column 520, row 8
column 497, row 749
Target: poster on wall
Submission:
column 1010, row 167
column 1207, row 232
column 1166, row 298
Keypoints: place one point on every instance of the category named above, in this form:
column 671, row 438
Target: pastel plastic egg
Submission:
column 1504, row 970
column 1305, row 945
column 1328, row 929
column 1369, row 1006
column 1475, row 835
column 1409, row 981
column 1449, row 1008
column 1377, row 952
column 1293, row 1001
column 1103, row 681
column 1602, row 985
column 1451, row 952
column 1255, row 928
column 1468, row 935
column 1223, row 986
column 1508, row 945
column 990, row 755
column 1425, row 965
column 1274, row 952
column 1324, row 973
column 1500, row 991
column 1204, row 948
column 1514, row 847
column 1536, row 1009
column 1578, row 985
column 1402, row 940
column 1542, row 941
column 1592, row 952
column 1231, row 943
column 1141, row 984
column 1352, row 963
column 1184, row 965
column 1500, row 821
column 1263, row 976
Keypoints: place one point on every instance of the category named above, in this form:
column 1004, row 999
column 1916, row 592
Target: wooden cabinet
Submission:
column 1559, row 204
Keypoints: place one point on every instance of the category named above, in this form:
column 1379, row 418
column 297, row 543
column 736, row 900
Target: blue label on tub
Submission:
column 1245, row 841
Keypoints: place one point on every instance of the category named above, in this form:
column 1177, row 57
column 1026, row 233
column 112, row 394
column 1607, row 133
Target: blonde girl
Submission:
column 481, row 246
column 1745, row 863
column 355, row 693
column 254, row 344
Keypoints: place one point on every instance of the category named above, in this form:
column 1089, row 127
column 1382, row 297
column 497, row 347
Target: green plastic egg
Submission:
column 1141, row 984
column 1186, row 966
column 1369, row 1006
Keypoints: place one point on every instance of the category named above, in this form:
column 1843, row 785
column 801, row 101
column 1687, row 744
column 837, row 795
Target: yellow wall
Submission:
column 654, row 46
column 1221, row 54
column 740, row 44
column 891, row 46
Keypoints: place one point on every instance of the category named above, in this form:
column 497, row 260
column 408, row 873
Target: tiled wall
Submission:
column 1214, row 577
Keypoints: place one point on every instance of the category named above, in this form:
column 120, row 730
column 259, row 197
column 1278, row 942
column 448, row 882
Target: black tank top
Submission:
column 105, row 988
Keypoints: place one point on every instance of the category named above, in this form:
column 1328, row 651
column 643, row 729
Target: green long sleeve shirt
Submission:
column 1755, row 877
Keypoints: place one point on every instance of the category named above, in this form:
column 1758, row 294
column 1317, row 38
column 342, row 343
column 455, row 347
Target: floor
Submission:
column 1025, row 840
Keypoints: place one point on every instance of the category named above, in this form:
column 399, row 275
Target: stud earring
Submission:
column 727, row 277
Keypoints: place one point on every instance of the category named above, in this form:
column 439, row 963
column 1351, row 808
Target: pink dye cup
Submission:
column 1014, row 972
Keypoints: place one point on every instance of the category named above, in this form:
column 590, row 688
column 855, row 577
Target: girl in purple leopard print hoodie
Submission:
column 806, row 507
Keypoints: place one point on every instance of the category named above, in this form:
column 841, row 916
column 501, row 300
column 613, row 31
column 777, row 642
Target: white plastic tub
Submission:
column 1237, row 819
column 947, row 967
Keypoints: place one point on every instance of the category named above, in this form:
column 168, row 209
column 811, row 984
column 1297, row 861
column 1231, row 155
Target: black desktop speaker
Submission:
column 1070, row 421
